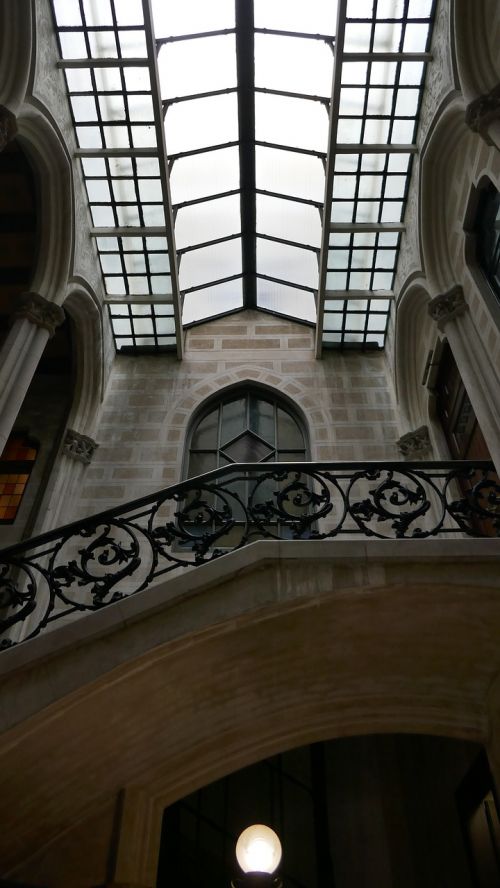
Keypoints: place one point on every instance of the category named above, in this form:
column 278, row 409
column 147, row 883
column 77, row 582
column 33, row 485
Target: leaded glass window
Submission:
column 488, row 237
column 245, row 427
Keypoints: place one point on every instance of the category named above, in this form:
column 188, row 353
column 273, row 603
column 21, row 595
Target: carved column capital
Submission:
column 447, row 306
column 8, row 127
column 79, row 447
column 40, row 311
column 482, row 112
column 415, row 443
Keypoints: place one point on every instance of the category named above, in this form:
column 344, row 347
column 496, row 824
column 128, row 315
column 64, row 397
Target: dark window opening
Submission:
column 488, row 237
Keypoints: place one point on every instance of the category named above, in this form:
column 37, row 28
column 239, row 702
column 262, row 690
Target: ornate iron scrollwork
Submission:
column 100, row 560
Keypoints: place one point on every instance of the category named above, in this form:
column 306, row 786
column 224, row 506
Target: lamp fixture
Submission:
column 258, row 852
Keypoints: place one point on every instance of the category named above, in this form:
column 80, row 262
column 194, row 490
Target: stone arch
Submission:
column 291, row 390
column 476, row 29
column 448, row 143
column 85, row 313
column 242, row 659
column 51, row 163
column 16, row 52
column 415, row 335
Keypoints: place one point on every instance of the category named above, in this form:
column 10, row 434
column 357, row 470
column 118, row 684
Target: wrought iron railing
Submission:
column 102, row 559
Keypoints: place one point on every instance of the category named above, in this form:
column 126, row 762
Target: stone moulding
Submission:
column 79, row 447
column 415, row 443
column 8, row 127
column 40, row 312
column 447, row 306
column 482, row 112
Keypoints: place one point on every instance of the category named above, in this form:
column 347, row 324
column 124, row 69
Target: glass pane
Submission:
column 234, row 419
column 262, row 419
column 294, row 122
column 248, row 448
column 191, row 16
column 290, row 436
column 289, row 173
column 313, row 17
column 286, row 300
column 288, row 263
column 196, row 66
column 212, row 301
column 199, row 463
column 205, row 435
column 288, row 220
column 210, row 264
column 286, row 63
column 207, row 221
column 201, row 122
column 204, row 174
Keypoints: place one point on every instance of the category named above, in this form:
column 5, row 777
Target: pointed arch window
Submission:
column 246, row 426
column 488, row 237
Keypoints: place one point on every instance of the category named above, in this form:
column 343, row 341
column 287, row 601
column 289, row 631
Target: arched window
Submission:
column 488, row 236
column 16, row 463
column 245, row 426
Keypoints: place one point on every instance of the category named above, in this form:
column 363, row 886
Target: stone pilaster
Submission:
column 416, row 443
column 483, row 112
column 40, row 312
column 79, row 447
column 8, row 127
column 447, row 306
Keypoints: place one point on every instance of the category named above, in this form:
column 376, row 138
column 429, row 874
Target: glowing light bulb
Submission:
column 258, row 849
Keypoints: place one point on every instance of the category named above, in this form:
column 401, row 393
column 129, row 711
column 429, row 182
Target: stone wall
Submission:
column 346, row 400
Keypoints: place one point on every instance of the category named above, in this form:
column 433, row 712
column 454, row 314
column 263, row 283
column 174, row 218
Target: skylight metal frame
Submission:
column 338, row 313
column 161, row 326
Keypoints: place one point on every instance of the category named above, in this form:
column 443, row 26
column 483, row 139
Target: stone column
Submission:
column 483, row 117
column 451, row 313
column 8, row 127
column 36, row 320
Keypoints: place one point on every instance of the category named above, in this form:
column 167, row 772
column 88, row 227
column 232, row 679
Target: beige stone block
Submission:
column 276, row 329
column 174, row 435
column 300, row 342
column 148, row 399
column 374, row 414
column 202, row 344
column 354, row 433
column 134, row 473
column 103, row 491
column 247, row 344
column 158, row 454
column 113, row 454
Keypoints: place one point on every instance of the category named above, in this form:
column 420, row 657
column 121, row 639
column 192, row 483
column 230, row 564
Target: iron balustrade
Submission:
column 102, row 559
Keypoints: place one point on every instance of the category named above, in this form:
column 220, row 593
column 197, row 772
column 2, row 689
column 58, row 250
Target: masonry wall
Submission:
column 346, row 399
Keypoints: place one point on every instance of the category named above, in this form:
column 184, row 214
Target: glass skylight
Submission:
column 205, row 131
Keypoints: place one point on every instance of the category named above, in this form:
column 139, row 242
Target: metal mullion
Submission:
column 166, row 103
column 288, row 243
column 345, row 227
column 194, row 151
column 164, row 174
column 278, row 194
column 199, row 200
column 330, row 167
column 129, row 230
column 292, row 95
column 382, row 148
column 326, row 38
column 388, row 56
column 232, row 277
column 276, row 280
column 177, row 38
column 245, row 66
column 111, row 62
column 353, row 295
column 210, row 243
column 115, row 152
column 321, row 155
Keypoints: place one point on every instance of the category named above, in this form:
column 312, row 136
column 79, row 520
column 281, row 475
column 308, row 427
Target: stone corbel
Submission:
column 415, row 443
column 447, row 306
column 482, row 112
column 79, row 447
column 8, row 127
column 40, row 311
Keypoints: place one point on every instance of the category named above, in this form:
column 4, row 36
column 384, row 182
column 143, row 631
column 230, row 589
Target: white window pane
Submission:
column 116, row 137
column 288, row 263
column 303, row 66
column 141, row 108
column 98, row 191
column 121, row 166
column 129, row 12
column 210, row 264
column 313, row 17
column 94, row 166
column 132, row 44
column 67, row 13
column 290, row 173
column 112, row 107
column 407, row 102
column 102, row 44
column 387, row 37
column 357, row 37
column 201, row 122
column 286, row 300
column 84, row 108
column 137, row 79
column 97, row 12
column 191, row 16
column 289, row 220
column 416, row 38
column 207, row 221
column 135, row 263
column 128, row 215
column 196, row 66
column 211, row 301
column 204, row 174
column 73, row 46
column 294, row 122
column 89, row 137
column 144, row 136
column 78, row 80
